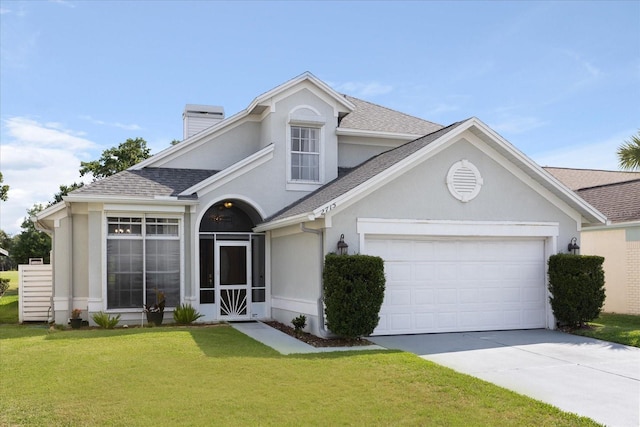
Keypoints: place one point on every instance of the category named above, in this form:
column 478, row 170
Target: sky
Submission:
column 558, row 80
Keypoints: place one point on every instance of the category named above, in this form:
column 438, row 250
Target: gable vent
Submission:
column 464, row 181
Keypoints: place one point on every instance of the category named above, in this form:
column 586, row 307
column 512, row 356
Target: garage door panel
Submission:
column 398, row 272
column 424, row 296
column 400, row 322
column 423, row 271
column 424, row 321
column 461, row 285
column 398, row 297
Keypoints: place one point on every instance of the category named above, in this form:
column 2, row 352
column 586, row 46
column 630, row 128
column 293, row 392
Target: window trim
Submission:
column 143, row 236
column 312, row 121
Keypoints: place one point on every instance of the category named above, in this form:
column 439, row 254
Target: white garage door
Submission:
column 455, row 285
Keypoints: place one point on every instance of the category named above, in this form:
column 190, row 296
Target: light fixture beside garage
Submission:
column 343, row 248
column 464, row 180
column 573, row 246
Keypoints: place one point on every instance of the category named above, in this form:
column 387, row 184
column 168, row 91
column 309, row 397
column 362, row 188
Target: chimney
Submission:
column 197, row 118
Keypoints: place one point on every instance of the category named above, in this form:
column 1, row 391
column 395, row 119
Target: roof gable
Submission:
column 358, row 176
column 254, row 111
column 393, row 161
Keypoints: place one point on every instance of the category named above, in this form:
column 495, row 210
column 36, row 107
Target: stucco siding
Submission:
column 296, row 269
column 222, row 151
column 80, row 259
column 62, row 272
column 354, row 150
column 296, row 266
column 422, row 194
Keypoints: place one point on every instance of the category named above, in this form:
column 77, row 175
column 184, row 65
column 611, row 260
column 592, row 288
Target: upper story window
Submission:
column 305, row 149
column 305, row 154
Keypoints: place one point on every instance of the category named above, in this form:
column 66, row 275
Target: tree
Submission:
column 629, row 153
column 175, row 141
column 4, row 189
column 6, row 243
column 117, row 159
column 31, row 243
column 64, row 190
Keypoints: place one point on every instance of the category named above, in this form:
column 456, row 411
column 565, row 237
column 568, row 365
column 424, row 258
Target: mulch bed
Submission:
column 318, row 341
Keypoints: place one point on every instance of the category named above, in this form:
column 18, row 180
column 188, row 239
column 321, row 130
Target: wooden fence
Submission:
column 36, row 290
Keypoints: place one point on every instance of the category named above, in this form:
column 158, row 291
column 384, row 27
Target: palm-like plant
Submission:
column 629, row 153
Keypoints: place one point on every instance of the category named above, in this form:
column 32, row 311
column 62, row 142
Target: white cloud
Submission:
column 48, row 135
column 363, row 89
column 112, row 124
column 35, row 159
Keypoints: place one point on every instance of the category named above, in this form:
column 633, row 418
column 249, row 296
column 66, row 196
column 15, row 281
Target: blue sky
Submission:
column 559, row 80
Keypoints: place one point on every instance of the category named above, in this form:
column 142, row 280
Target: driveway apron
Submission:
column 589, row 377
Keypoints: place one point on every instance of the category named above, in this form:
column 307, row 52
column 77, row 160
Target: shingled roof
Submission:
column 585, row 178
column 358, row 175
column 146, row 183
column 620, row 202
column 372, row 117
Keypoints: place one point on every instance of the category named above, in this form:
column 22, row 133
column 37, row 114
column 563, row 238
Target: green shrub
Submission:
column 299, row 322
column 185, row 314
column 576, row 283
column 105, row 321
column 4, row 285
column 353, row 293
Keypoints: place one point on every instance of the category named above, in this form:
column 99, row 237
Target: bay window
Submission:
column 143, row 259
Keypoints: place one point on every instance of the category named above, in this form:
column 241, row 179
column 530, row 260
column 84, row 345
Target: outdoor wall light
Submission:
column 228, row 205
column 342, row 246
column 573, row 246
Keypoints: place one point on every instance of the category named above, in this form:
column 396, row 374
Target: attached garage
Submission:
column 492, row 279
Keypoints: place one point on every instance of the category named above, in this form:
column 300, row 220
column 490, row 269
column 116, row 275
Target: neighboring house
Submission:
column 617, row 195
column 236, row 219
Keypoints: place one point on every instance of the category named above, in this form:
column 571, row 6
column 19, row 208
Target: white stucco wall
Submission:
column 220, row 151
column 422, row 193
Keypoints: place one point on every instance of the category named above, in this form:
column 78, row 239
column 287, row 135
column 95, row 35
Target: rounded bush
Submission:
column 353, row 293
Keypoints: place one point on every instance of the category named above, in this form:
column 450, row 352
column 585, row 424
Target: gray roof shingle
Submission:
column 372, row 117
column 146, row 183
column 584, row 178
column 620, row 202
column 358, row 175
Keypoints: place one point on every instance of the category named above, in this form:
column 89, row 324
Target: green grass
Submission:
column 218, row 376
column 620, row 328
column 9, row 301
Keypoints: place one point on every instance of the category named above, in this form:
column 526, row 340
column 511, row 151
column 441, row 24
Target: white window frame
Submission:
column 299, row 119
column 144, row 237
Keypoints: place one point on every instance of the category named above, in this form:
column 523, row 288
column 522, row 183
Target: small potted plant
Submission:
column 155, row 312
column 76, row 320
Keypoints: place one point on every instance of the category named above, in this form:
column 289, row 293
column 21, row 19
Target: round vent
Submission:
column 464, row 181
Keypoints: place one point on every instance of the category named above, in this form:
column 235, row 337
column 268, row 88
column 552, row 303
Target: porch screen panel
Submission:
column 258, row 272
column 163, row 270
column 207, row 291
column 124, row 273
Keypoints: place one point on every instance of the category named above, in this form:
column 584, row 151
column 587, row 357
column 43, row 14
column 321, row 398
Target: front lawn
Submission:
column 9, row 302
column 217, row 376
column 620, row 328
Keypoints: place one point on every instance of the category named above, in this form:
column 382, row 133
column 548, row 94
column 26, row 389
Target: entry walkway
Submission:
column 593, row 378
column 286, row 344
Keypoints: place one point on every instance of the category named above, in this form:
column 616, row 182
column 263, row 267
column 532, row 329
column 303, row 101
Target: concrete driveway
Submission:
column 597, row 379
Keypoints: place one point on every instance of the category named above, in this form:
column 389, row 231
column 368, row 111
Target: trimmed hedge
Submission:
column 353, row 293
column 576, row 283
